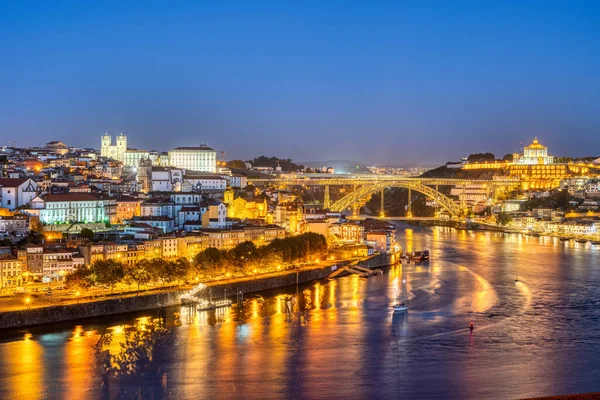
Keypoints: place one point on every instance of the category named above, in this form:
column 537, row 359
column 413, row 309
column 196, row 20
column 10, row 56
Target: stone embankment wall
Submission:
column 55, row 314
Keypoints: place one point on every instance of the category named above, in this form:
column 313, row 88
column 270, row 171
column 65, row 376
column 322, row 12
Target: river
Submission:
column 536, row 337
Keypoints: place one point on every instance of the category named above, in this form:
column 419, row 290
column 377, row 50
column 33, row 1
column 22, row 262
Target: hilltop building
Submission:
column 533, row 154
column 201, row 158
column 116, row 152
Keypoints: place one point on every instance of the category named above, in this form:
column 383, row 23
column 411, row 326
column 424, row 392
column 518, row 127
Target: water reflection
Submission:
column 339, row 338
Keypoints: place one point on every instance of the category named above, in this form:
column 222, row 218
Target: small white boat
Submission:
column 398, row 308
column 401, row 306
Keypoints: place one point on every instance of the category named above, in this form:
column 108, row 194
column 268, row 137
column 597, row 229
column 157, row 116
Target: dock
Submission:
column 355, row 269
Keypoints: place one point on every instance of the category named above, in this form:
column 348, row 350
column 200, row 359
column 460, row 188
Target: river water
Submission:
column 535, row 337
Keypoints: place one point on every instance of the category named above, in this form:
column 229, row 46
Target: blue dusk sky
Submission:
column 374, row 81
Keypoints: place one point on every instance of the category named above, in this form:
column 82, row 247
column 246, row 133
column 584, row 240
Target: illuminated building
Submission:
column 245, row 208
column 347, row 232
column 131, row 158
column 116, row 152
column 471, row 194
column 31, row 256
column 10, row 271
column 534, row 168
column 16, row 192
column 76, row 207
column 127, row 208
column 201, row 158
column 535, row 153
column 290, row 215
column 57, row 147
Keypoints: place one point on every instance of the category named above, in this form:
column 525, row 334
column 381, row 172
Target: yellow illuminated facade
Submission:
column 244, row 209
column 534, row 167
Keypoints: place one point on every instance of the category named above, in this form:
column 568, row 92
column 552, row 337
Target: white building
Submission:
column 238, row 181
column 131, row 158
column 76, row 207
column 201, row 158
column 16, row 192
column 533, row 154
column 116, row 152
column 471, row 194
column 195, row 182
column 59, row 262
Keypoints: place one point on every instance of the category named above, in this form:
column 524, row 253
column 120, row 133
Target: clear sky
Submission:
column 375, row 81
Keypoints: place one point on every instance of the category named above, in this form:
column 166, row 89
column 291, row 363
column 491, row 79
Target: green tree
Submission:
column 209, row 260
column 503, row 219
column 180, row 269
column 161, row 270
column 107, row 272
column 80, row 278
column 87, row 233
column 236, row 164
column 139, row 273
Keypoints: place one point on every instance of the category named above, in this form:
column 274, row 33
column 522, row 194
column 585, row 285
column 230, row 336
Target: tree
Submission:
column 209, row 260
column 180, row 269
column 87, row 233
column 503, row 219
column 162, row 270
column 481, row 157
column 139, row 273
column 236, row 164
column 508, row 157
column 80, row 278
column 107, row 272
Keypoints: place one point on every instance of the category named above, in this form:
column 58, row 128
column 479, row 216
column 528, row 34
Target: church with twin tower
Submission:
column 116, row 152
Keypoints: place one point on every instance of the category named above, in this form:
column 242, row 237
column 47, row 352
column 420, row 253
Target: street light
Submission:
column 27, row 302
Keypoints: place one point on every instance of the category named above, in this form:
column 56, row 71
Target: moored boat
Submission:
column 419, row 255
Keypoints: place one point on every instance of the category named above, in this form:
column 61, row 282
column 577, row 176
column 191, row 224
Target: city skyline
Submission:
column 314, row 83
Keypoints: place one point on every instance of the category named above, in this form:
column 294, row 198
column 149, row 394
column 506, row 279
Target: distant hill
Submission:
column 340, row 166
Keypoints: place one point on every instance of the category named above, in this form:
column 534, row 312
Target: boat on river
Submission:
column 581, row 240
column 418, row 256
column 401, row 306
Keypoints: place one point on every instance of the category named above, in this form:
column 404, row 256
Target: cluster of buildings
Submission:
column 533, row 167
column 143, row 204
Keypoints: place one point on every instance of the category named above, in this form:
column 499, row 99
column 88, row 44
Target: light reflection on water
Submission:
column 345, row 342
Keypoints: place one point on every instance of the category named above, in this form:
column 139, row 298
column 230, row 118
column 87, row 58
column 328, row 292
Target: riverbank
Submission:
column 167, row 298
column 476, row 226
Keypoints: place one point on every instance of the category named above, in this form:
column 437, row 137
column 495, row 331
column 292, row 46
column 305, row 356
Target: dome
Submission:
column 536, row 145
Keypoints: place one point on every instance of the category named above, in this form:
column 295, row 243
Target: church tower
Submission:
column 121, row 147
column 105, row 145
column 145, row 174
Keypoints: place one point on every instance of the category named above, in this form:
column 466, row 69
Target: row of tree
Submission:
column 244, row 259
column 107, row 273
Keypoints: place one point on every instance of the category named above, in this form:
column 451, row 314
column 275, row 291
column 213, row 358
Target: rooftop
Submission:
column 198, row 148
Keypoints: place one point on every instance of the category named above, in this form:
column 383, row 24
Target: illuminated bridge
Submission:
column 365, row 185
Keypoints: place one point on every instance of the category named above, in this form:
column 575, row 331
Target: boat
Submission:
column 419, row 256
column 564, row 239
column 596, row 243
column 401, row 306
column 581, row 240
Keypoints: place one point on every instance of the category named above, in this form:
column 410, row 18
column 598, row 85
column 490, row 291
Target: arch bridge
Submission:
column 365, row 185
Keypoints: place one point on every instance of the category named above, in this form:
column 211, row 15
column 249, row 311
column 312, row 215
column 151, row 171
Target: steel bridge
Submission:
column 365, row 185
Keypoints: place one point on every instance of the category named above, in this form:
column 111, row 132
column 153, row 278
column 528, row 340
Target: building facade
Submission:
column 201, row 158
column 117, row 151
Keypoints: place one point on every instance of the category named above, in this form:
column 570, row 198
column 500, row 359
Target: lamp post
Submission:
column 28, row 302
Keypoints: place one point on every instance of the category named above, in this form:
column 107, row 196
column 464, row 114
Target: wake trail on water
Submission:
column 485, row 290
